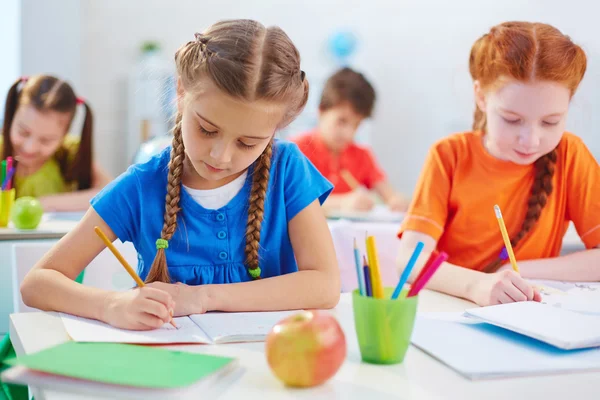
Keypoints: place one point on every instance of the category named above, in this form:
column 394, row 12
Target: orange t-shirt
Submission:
column 461, row 182
column 358, row 160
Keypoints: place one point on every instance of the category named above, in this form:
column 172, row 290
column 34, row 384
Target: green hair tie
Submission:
column 254, row 273
column 162, row 244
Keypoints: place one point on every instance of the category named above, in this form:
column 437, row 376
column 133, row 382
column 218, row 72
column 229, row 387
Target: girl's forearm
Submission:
column 307, row 289
column 449, row 278
column 579, row 266
column 50, row 290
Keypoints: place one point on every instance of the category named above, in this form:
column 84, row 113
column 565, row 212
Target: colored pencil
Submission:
column 123, row 262
column 359, row 271
column 409, row 267
column 435, row 264
column 349, row 179
column 506, row 238
column 374, row 268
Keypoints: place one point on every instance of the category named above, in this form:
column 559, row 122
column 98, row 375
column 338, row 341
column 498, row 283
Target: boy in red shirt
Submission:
column 347, row 99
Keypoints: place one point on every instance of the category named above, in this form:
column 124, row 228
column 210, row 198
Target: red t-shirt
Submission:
column 356, row 159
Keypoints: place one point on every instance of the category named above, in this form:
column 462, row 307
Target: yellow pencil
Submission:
column 374, row 268
column 511, row 254
column 123, row 262
column 349, row 179
column 509, row 249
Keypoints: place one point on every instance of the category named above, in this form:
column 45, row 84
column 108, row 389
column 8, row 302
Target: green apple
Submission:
column 27, row 213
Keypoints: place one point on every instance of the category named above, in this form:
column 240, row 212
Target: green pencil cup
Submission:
column 7, row 199
column 384, row 326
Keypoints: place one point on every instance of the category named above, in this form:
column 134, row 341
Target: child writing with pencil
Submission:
column 49, row 163
column 517, row 157
column 347, row 100
column 227, row 218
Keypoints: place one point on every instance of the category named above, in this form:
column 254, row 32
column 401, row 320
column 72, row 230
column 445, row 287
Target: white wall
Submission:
column 51, row 38
column 10, row 46
column 39, row 37
column 415, row 52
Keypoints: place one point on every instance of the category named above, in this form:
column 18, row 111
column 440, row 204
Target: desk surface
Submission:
column 52, row 226
column 419, row 377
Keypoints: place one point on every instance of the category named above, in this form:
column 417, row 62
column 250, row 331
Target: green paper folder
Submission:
column 123, row 364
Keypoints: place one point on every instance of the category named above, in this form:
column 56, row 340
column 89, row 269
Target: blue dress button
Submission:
column 221, row 235
column 223, row 255
column 220, row 217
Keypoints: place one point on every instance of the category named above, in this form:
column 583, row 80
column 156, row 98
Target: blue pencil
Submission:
column 359, row 272
column 368, row 290
column 5, row 183
column 406, row 273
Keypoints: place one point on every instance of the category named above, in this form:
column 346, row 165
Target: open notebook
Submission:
column 200, row 328
column 582, row 297
column 558, row 327
column 478, row 350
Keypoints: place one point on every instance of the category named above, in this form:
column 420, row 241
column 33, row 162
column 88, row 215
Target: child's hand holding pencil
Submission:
column 505, row 286
column 359, row 199
column 502, row 287
column 142, row 309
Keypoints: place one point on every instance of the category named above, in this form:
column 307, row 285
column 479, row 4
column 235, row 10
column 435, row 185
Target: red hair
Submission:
column 526, row 52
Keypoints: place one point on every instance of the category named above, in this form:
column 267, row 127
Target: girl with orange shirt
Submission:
column 519, row 157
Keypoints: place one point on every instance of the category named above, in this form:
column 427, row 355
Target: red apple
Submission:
column 306, row 349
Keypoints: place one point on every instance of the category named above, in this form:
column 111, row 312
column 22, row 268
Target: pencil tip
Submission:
column 497, row 211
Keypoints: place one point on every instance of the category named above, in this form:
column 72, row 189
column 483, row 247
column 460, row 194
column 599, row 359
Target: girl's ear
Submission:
column 180, row 95
column 479, row 96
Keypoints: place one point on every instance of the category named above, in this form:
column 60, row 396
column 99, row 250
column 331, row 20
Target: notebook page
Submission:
column 89, row 330
column 239, row 327
column 483, row 351
column 562, row 328
column 582, row 297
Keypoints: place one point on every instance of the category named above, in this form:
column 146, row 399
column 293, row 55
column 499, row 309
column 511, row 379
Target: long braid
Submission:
column 525, row 52
column 540, row 190
column 250, row 63
column 159, row 270
column 260, row 181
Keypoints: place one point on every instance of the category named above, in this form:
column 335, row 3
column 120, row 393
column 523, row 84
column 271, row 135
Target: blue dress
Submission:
column 208, row 245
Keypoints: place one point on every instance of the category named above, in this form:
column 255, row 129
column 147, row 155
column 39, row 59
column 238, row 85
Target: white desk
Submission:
column 419, row 377
column 50, row 229
column 342, row 231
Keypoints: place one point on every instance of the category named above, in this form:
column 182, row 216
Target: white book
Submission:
column 565, row 329
column 209, row 328
column 582, row 297
column 210, row 387
column 478, row 350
